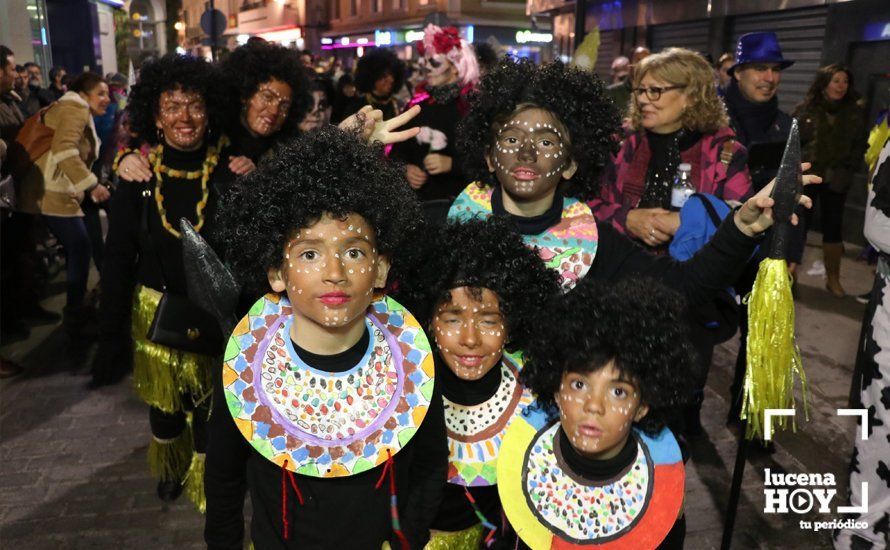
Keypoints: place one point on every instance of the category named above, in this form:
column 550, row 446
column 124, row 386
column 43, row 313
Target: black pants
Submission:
column 171, row 425
column 831, row 210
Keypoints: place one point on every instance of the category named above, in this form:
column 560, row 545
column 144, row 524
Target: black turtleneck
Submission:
column 251, row 146
column 593, row 469
column 663, row 163
column 456, row 513
column 467, row 392
column 338, row 362
column 534, row 225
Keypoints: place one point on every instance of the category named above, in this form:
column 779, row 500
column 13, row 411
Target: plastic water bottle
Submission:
column 682, row 188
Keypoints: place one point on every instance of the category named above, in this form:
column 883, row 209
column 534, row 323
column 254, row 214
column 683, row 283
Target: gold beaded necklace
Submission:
column 210, row 161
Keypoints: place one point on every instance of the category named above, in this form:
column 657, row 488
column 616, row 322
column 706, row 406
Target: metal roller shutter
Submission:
column 801, row 34
column 610, row 48
column 692, row 35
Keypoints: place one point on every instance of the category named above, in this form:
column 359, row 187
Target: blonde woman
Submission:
column 677, row 117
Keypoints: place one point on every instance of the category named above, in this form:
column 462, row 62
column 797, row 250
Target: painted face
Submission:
column 662, row 115
column 182, row 117
column 837, row 88
column 758, row 82
column 470, row 332
column 268, row 108
column 530, row 155
column 383, row 85
column 98, row 99
column 438, row 70
column 320, row 114
column 597, row 410
column 329, row 272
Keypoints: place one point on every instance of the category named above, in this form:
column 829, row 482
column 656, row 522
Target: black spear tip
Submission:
column 786, row 193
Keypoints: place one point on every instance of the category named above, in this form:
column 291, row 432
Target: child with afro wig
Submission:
column 534, row 144
column 592, row 462
column 329, row 381
column 476, row 287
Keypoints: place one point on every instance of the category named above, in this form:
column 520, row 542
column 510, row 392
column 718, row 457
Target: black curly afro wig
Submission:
column 637, row 323
column 325, row 171
column 478, row 254
column 576, row 97
column 256, row 63
column 374, row 65
column 169, row 73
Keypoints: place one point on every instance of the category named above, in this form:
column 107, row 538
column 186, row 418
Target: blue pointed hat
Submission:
column 759, row 47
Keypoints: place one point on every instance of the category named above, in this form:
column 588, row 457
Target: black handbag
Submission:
column 179, row 323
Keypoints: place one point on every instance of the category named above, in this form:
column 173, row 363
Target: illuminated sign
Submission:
column 877, row 31
column 344, row 41
column 327, row 40
column 525, row 37
column 382, row 38
column 362, row 41
column 413, row 36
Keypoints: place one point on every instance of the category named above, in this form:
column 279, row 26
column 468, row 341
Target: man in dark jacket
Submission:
column 763, row 129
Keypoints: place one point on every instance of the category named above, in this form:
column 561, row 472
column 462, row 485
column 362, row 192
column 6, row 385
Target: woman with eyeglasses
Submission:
column 176, row 111
column 677, row 118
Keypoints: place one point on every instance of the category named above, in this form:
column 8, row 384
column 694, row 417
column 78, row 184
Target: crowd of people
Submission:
column 451, row 303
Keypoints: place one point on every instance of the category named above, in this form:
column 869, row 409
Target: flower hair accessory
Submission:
column 447, row 42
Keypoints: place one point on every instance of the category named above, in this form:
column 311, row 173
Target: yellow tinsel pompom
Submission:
column 773, row 355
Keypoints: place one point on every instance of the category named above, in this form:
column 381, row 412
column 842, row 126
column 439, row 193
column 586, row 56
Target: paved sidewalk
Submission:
column 73, row 472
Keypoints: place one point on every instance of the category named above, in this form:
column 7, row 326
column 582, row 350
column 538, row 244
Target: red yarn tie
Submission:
column 390, row 467
column 285, row 474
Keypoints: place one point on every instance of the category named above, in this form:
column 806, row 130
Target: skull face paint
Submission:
column 597, row 410
column 469, row 332
column 438, row 70
column 529, row 155
column 182, row 118
column 329, row 272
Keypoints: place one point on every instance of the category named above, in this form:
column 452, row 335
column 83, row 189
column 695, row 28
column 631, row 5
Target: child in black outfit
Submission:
column 592, row 462
column 330, row 382
column 476, row 286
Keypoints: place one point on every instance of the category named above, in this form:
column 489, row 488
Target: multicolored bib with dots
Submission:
column 325, row 424
column 552, row 506
column 475, row 432
column 568, row 247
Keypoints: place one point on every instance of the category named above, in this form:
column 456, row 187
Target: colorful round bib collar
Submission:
column 475, row 432
column 568, row 247
column 325, row 424
column 553, row 507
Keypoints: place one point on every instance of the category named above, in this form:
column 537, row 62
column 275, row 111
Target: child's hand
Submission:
column 756, row 215
column 241, row 165
column 369, row 122
column 435, row 163
column 416, row 176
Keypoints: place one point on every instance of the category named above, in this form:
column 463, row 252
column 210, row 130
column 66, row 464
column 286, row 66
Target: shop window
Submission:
column 399, row 4
column 335, row 9
column 376, row 6
column 354, row 6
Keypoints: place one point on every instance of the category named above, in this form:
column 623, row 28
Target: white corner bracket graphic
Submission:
column 768, row 415
column 863, row 413
column 862, row 508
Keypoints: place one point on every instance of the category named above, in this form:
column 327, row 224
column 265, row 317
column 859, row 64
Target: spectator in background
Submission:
column 721, row 72
column 486, row 56
column 620, row 91
column 58, row 81
column 59, row 180
column 33, row 96
column 378, row 74
column 833, row 135
column 307, row 60
column 343, row 96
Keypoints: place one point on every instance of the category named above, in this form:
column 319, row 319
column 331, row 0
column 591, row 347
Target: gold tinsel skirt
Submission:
column 164, row 376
